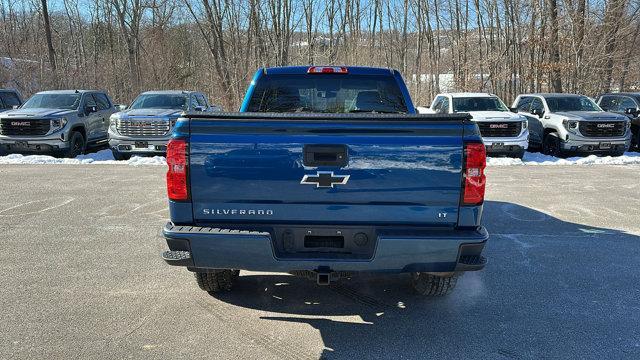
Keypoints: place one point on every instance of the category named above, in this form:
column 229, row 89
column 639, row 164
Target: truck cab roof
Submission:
column 354, row 70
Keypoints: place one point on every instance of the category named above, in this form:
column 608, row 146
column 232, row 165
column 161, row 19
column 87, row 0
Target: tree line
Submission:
column 501, row 46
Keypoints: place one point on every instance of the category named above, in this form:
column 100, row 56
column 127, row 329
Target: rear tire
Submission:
column 77, row 145
column 217, row 280
column 431, row 285
column 551, row 145
column 120, row 156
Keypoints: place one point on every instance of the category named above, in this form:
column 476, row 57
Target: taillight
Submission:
column 327, row 70
column 177, row 187
column 474, row 178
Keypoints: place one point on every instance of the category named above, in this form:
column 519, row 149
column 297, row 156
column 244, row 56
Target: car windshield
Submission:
column 160, row 101
column 571, row 103
column 53, row 101
column 327, row 93
column 485, row 103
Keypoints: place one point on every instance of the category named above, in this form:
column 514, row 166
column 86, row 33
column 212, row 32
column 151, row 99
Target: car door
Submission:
column 525, row 105
column 91, row 118
column 103, row 113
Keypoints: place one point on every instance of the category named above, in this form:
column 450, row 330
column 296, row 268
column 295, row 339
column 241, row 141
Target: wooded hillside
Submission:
column 501, row 46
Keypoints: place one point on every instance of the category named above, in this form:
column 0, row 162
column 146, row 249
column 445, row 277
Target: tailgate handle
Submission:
column 325, row 155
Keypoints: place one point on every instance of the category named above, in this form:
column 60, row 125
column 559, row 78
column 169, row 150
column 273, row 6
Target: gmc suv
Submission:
column 145, row 127
column 627, row 104
column 560, row 124
column 59, row 122
column 503, row 132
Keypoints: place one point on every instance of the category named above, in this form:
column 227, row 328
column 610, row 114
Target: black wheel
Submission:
column 120, row 156
column 551, row 145
column 635, row 142
column 432, row 285
column 217, row 280
column 77, row 145
column 519, row 154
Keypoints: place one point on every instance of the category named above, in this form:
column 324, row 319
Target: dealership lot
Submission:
column 82, row 278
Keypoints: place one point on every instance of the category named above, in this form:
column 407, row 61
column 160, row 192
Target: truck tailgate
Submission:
column 396, row 169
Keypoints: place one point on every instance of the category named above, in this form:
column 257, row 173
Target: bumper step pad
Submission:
column 177, row 258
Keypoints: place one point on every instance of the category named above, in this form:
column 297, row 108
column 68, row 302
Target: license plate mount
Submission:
column 22, row 144
column 142, row 144
column 605, row 145
column 498, row 145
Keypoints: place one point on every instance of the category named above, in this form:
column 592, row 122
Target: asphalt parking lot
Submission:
column 82, row 278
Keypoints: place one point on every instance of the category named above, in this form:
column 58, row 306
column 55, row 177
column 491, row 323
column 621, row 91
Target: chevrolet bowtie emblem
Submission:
column 325, row 179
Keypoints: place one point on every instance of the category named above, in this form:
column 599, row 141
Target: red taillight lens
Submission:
column 327, row 70
column 177, row 187
column 474, row 178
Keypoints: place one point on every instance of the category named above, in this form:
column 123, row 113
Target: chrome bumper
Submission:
column 522, row 141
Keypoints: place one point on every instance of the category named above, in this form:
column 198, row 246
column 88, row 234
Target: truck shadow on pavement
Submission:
column 551, row 289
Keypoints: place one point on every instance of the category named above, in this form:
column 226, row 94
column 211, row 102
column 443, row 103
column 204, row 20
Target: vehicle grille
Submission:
column 602, row 129
column 500, row 129
column 24, row 126
column 143, row 127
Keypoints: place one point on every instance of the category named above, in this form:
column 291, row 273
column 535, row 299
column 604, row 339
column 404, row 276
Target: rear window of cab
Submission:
column 327, row 93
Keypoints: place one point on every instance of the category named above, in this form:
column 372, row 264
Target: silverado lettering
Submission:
column 236, row 212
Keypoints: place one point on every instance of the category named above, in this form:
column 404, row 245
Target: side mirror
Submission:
column 631, row 111
column 90, row 109
column 14, row 107
column 121, row 107
column 513, row 109
column 537, row 112
column 199, row 108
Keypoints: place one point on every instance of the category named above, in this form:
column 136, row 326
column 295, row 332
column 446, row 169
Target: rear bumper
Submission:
column 213, row 248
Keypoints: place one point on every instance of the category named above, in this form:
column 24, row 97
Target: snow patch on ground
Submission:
column 100, row 157
column 105, row 157
column 628, row 158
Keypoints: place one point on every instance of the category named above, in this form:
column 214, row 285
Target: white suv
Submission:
column 503, row 132
column 568, row 123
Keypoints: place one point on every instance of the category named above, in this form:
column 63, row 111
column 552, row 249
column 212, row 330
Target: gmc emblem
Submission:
column 20, row 123
column 605, row 126
column 498, row 126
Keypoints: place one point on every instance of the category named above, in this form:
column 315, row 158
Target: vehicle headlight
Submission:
column 525, row 124
column 571, row 125
column 113, row 122
column 57, row 124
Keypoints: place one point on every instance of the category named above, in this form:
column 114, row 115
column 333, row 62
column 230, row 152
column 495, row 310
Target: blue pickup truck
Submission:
column 326, row 172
